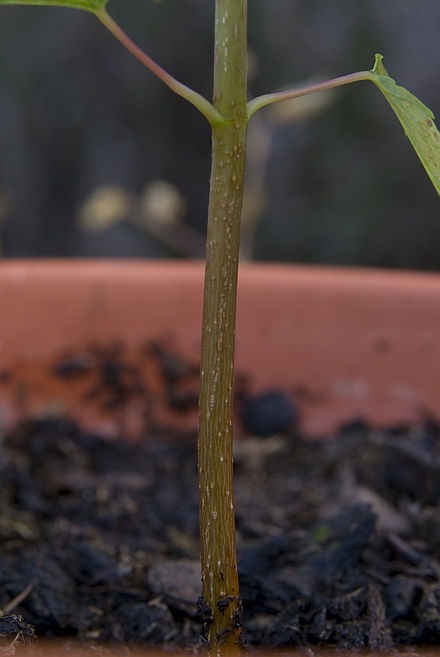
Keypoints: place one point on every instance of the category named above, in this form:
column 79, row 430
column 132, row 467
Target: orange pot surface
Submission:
column 345, row 344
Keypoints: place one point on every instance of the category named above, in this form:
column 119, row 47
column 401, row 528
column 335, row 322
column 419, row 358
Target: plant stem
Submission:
column 267, row 99
column 217, row 523
column 204, row 106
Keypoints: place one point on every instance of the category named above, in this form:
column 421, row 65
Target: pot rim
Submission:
column 360, row 344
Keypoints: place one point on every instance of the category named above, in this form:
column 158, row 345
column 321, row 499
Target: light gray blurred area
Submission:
column 98, row 158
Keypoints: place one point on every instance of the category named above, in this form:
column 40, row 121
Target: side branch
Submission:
column 204, row 106
column 268, row 99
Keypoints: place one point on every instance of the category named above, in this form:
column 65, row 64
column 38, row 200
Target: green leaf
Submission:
column 417, row 120
column 95, row 6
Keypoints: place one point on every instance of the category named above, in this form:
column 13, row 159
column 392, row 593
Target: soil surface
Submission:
column 338, row 540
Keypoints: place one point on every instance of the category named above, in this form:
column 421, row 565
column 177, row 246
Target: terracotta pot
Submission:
column 345, row 344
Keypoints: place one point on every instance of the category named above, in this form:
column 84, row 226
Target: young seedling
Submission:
column 228, row 115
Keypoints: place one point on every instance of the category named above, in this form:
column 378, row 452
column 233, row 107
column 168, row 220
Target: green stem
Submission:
column 217, row 523
column 204, row 106
column 267, row 99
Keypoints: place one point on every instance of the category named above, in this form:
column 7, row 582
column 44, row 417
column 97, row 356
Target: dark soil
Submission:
column 338, row 540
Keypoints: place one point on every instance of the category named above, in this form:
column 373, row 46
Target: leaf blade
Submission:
column 416, row 119
column 87, row 5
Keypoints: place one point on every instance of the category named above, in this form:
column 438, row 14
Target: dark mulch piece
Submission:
column 338, row 540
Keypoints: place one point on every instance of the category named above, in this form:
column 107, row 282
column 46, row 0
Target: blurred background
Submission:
column 98, row 158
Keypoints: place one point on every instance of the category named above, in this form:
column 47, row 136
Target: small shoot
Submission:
column 416, row 119
column 228, row 115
